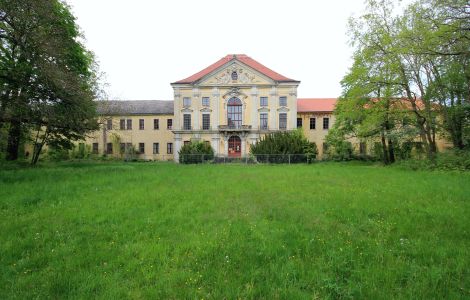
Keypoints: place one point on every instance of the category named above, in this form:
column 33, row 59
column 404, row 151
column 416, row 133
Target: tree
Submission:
column 406, row 63
column 47, row 78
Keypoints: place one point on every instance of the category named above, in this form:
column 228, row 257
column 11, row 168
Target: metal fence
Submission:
column 249, row 159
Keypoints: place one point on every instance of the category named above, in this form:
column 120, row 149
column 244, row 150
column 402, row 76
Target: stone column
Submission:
column 195, row 102
column 176, row 109
column 254, row 107
column 177, row 147
column 243, row 138
column 273, row 104
column 215, row 142
column 225, row 145
column 293, row 108
column 215, row 108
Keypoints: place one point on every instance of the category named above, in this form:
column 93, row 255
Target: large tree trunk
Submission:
column 36, row 152
column 391, row 151
column 14, row 136
column 384, row 148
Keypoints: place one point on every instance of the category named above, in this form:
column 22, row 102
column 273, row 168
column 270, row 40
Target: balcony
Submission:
column 234, row 127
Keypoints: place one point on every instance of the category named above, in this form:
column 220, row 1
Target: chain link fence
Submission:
column 250, row 159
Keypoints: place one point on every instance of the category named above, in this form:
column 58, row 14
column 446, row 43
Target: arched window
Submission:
column 234, row 113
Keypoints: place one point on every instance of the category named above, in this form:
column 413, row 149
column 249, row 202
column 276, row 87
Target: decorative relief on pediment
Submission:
column 283, row 109
column 263, row 109
column 186, row 110
column 235, row 74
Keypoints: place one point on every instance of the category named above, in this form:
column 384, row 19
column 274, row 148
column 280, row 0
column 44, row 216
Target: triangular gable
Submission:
column 244, row 75
column 244, row 59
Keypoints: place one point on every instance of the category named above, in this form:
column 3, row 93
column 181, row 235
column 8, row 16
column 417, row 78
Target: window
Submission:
column 326, row 123
column 169, row 124
column 109, row 148
column 263, row 121
column 95, row 148
column 234, row 113
column 169, row 148
column 129, row 147
column 122, row 147
column 205, row 101
column 141, row 124
column 263, row 101
column 141, row 148
column 362, row 148
column 206, row 122
column 129, row 124
column 313, row 122
column 186, row 143
column 109, row 124
column 156, row 124
column 325, row 147
column 186, row 101
column 234, row 75
column 207, row 143
column 186, row 122
column 282, row 121
column 283, row 101
column 156, row 148
column 299, row 122
column 122, row 124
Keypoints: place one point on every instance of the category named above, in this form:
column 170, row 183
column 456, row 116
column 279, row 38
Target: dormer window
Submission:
column 234, row 75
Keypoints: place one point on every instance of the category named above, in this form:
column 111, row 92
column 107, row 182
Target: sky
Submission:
column 144, row 45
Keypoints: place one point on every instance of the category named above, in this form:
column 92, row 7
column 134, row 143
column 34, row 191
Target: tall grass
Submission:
column 145, row 230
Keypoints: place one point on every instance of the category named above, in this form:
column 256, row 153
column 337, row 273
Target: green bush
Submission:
column 450, row 160
column 57, row 154
column 341, row 151
column 196, row 152
column 284, row 147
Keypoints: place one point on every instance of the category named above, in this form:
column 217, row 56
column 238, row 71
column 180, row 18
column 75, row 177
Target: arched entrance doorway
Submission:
column 234, row 146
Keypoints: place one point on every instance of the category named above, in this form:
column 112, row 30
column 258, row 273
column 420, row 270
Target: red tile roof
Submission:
column 243, row 59
column 316, row 104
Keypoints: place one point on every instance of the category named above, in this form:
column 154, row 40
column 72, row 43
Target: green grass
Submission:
column 160, row 230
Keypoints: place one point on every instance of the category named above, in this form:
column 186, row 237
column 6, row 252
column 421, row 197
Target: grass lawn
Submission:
column 160, row 230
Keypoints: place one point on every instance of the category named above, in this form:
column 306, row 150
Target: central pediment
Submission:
column 235, row 73
column 236, row 69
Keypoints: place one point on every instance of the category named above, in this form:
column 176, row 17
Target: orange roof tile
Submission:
column 316, row 104
column 241, row 58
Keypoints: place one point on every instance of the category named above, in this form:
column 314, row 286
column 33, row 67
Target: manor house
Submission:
column 230, row 104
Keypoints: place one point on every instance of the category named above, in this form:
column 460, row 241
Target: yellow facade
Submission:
column 134, row 136
column 313, row 128
column 265, row 106
column 230, row 105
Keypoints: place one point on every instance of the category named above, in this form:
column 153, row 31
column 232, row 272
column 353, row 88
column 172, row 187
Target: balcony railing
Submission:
column 235, row 127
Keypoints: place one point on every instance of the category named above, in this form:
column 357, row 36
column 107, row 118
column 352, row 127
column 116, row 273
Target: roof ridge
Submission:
column 243, row 58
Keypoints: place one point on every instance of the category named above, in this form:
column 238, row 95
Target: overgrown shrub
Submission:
column 284, row 147
column 81, row 151
column 196, row 152
column 57, row 154
column 340, row 151
column 449, row 160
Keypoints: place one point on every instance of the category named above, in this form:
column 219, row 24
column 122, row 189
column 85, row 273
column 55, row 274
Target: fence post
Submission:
column 288, row 155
